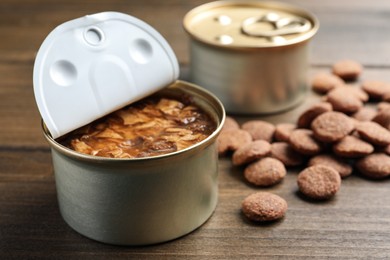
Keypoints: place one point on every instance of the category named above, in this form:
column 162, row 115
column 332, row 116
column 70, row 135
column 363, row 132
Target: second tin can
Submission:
column 252, row 54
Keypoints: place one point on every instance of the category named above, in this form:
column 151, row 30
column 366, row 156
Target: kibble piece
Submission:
column 342, row 100
column 375, row 166
column 231, row 140
column 319, row 182
column 356, row 91
column 303, row 141
column 324, row 82
column 332, row 126
column 347, row 69
column 384, row 149
column 265, row 172
column 365, row 114
column 264, row 206
column 340, row 165
column 260, row 130
column 230, row 124
column 288, row 156
column 251, row 152
column 386, row 97
column 374, row 133
column 283, row 131
column 383, row 106
column 383, row 118
column 376, row 89
column 352, row 147
column 305, row 119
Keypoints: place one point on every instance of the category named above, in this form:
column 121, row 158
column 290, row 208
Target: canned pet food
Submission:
column 138, row 201
column 252, row 54
column 149, row 185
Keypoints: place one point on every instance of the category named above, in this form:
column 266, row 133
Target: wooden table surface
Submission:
column 355, row 224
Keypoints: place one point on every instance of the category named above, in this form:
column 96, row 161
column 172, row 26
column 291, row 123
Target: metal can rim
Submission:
column 271, row 4
column 194, row 89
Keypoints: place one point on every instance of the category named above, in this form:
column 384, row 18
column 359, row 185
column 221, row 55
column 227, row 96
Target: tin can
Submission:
column 252, row 54
column 144, row 200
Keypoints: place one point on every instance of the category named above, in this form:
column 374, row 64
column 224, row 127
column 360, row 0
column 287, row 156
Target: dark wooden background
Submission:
column 356, row 224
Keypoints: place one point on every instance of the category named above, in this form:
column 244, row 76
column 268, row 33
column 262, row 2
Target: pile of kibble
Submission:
column 328, row 141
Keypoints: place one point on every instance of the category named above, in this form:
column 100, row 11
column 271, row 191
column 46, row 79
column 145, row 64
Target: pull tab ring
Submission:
column 281, row 26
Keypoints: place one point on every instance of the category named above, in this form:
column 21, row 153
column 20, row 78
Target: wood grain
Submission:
column 354, row 225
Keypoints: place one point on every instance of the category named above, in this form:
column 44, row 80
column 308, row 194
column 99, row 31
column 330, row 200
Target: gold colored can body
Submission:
column 253, row 55
column 145, row 200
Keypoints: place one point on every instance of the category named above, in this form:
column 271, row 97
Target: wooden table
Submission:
column 355, row 224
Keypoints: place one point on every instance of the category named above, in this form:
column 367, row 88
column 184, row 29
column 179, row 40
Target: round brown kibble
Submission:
column 332, row 126
column 264, row 206
column 365, row 114
column 284, row 153
column 230, row 124
column 342, row 100
column 373, row 133
column 265, row 172
column 376, row 89
column 374, row 166
column 231, row 140
column 340, row 165
column 319, row 182
column 384, row 149
column 347, row 69
column 283, row 131
column 324, row 82
column 383, row 118
column 303, row 141
column 352, row 147
column 306, row 118
column 383, row 106
column 386, row 97
column 251, row 152
column 356, row 91
column 259, row 130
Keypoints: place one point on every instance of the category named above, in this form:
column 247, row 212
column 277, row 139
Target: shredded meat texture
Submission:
column 150, row 127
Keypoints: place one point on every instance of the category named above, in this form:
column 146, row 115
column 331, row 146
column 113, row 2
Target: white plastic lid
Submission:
column 91, row 66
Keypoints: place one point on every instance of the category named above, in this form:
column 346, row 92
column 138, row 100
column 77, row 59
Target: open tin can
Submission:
column 143, row 200
column 106, row 61
column 252, row 54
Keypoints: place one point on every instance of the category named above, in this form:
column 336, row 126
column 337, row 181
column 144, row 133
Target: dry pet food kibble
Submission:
column 303, row 141
column 374, row 133
column 341, row 166
column 305, row 119
column 264, row 206
column 283, row 131
column 265, row 172
column 251, row 152
column 231, row 140
column 324, row 82
column 376, row 89
column 284, row 153
column 347, row 69
column 352, row 147
column 375, row 166
column 332, row 126
column 319, row 182
column 365, row 114
column 331, row 138
column 260, row 130
column 343, row 101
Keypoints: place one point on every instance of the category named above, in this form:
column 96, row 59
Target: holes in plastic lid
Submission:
column 93, row 36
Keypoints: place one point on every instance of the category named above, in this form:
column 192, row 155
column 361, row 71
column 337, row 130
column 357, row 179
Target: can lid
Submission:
column 249, row 24
column 94, row 65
